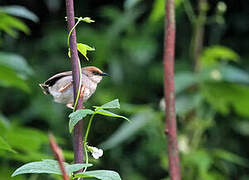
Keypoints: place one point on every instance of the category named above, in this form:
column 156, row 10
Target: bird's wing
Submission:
column 52, row 80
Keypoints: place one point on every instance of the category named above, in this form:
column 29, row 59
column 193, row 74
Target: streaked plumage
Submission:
column 61, row 88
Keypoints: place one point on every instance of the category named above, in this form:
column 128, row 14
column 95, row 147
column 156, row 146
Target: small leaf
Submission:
column 108, row 113
column 110, row 105
column 100, row 174
column 48, row 166
column 76, row 116
column 87, row 20
column 20, row 11
column 83, row 48
column 4, row 145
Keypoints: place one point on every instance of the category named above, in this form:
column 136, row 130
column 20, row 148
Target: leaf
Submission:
column 47, row 166
column 100, row 174
column 110, row 105
column 8, row 24
column 212, row 55
column 231, row 157
column 20, row 11
column 233, row 74
column 224, row 97
column 83, row 48
column 9, row 78
column 184, row 80
column 16, row 62
column 108, row 113
column 4, row 145
column 127, row 130
column 76, row 116
column 87, row 20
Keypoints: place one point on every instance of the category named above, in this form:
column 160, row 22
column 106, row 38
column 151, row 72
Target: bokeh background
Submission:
column 211, row 76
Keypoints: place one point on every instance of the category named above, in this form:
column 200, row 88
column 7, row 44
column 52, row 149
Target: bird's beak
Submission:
column 104, row 74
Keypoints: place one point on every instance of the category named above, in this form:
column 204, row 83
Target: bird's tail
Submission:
column 44, row 88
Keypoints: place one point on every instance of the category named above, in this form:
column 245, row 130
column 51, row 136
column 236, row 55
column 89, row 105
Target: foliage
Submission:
column 212, row 104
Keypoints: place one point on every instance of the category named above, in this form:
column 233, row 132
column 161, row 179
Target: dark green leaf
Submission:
column 19, row 11
column 9, row 78
column 100, row 174
column 108, row 113
column 16, row 62
column 76, row 116
column 231, row 157
column 47, row 166
column 4, row 145
column 9, row 24
column 184, row 80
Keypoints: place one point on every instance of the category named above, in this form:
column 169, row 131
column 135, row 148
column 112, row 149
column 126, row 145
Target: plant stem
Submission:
column 78, row 129
column 197, row 42
column 59, row 156
column 85, row 138
column 170, row 121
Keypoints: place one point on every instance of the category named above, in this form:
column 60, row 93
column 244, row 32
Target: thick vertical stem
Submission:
column 78, row 129
column 170, row 121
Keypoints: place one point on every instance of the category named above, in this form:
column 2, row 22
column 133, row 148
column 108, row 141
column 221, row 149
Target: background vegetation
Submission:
column 211, row 85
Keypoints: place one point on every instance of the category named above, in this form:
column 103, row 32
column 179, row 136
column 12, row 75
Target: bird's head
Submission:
column 94, row 73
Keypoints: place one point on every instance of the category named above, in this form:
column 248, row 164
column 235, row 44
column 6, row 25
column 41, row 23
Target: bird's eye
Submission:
column 95, row 73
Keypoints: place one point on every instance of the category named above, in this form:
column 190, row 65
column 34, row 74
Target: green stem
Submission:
column 78, row 92
column 68, row 37
column 85, row 139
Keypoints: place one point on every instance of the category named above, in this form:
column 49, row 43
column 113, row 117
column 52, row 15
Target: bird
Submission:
column 60, row 86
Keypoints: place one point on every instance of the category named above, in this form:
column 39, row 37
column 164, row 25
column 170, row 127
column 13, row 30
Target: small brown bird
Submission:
column 60, row 86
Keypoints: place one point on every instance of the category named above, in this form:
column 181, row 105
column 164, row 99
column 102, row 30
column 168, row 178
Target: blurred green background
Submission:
column 211, row 80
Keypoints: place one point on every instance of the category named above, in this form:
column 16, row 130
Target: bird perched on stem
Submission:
column 60, row 86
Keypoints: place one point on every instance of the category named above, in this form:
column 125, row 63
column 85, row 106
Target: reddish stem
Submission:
column 59, row 156
column 78, row 129
column 168, row 60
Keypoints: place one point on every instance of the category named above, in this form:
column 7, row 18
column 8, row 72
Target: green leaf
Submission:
column 184, row 80
column 8, row 24
column 231, row 157
column 224, row 97
column 76, row 116
column 87, row 20
column 9, row 78
column 110, row 105
column 48, row 166
column 83, row 48
column 108, row 113
column 16, row 62
column 19, row 11
column 212, row 55
column 4, row 145
column 100, row 174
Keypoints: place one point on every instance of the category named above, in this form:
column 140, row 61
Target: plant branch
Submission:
column 59, row 156
column 170, row 120
column 197, row 42
column 78, row 129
